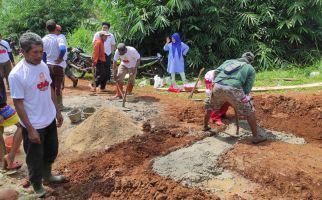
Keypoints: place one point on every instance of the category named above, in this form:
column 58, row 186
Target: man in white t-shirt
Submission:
column 130, row 61
column 35, row 102
column 6, row 59
column 109, row 47
column 68, row 73
column 54, row 52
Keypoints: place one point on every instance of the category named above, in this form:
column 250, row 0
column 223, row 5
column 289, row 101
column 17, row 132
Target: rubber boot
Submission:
column 119, row 90
column 60, row 103
column 129, row 89
column 49, row 178
column 39, row 189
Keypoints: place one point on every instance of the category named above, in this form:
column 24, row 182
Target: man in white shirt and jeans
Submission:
column 130, row 61
column 35, row 102
column 54, row 51
column 6, row 59
column 109, row 47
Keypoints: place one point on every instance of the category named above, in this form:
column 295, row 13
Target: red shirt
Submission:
column 98, row 51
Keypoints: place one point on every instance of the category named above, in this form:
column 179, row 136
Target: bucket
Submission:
column 88, row 111
column 8, row 142
column 74, row 115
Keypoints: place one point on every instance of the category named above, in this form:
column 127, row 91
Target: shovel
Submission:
column 193, row 90
column 93, row 82
column 123, row 97
column 127, row 86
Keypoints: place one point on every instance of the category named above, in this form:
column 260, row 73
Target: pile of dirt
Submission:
column 105, row 127
column 285, row 171
column 300, row 115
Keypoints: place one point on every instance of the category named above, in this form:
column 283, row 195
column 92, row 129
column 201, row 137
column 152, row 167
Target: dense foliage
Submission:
column 19, row 16
column 279, row 31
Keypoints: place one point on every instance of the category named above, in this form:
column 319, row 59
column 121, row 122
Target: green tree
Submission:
column 20, row 16
column 280, row 32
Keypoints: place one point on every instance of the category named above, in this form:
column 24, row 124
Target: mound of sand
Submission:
column 105, row 127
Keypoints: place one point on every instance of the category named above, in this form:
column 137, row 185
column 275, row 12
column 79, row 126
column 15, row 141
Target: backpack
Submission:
column 233, row 66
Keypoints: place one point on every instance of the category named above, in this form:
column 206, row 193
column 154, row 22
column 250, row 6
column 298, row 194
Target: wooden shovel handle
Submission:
column 200, row 72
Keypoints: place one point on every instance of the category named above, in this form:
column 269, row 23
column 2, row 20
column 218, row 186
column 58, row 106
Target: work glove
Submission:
column 246, row 99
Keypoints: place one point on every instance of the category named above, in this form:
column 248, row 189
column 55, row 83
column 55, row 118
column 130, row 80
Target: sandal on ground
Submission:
column 258, row 140
column 219, row 123
column 14, row 165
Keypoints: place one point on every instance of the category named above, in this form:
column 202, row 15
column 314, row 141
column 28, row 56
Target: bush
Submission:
column 82, row 37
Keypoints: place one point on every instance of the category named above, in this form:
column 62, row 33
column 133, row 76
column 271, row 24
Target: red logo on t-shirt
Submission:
column 43, row 84
column 125, row 60
column 2, row 51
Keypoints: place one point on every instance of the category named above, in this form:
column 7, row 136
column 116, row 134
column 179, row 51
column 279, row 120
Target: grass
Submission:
column 300, row 76
column 267, row 78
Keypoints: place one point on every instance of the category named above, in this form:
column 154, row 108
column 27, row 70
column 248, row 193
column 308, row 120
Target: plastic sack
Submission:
column 142, row 83
column 158, row 82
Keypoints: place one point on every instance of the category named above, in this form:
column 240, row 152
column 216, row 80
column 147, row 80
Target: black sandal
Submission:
column 206, row 128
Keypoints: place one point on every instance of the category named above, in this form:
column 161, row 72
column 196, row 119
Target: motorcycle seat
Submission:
column 85, row 55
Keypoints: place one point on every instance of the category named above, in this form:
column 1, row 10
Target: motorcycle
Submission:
column 151, row 66
column 80, row 63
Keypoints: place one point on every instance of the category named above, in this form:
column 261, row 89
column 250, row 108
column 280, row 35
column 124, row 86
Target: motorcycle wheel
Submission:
column 77, row 73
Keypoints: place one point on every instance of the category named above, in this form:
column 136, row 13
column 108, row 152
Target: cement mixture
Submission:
column 196, row 165
column 109, row 126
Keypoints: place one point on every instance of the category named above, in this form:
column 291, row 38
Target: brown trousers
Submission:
column 57, row 76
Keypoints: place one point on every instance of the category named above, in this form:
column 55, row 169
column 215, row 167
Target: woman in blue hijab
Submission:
column 177, row 50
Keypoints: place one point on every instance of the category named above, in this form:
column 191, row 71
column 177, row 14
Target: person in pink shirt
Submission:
column 215, row 115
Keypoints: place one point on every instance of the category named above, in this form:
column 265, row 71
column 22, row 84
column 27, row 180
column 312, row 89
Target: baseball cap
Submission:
column 103, row 33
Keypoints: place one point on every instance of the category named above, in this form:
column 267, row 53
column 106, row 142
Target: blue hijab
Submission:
column 176, row 45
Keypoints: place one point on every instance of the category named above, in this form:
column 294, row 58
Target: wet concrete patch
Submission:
column 196, row 165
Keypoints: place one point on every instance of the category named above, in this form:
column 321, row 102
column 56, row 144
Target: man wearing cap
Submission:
column 99, row 62
column 130, row 61
column 233, row 82
column 61, row 37
column 109, row 46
